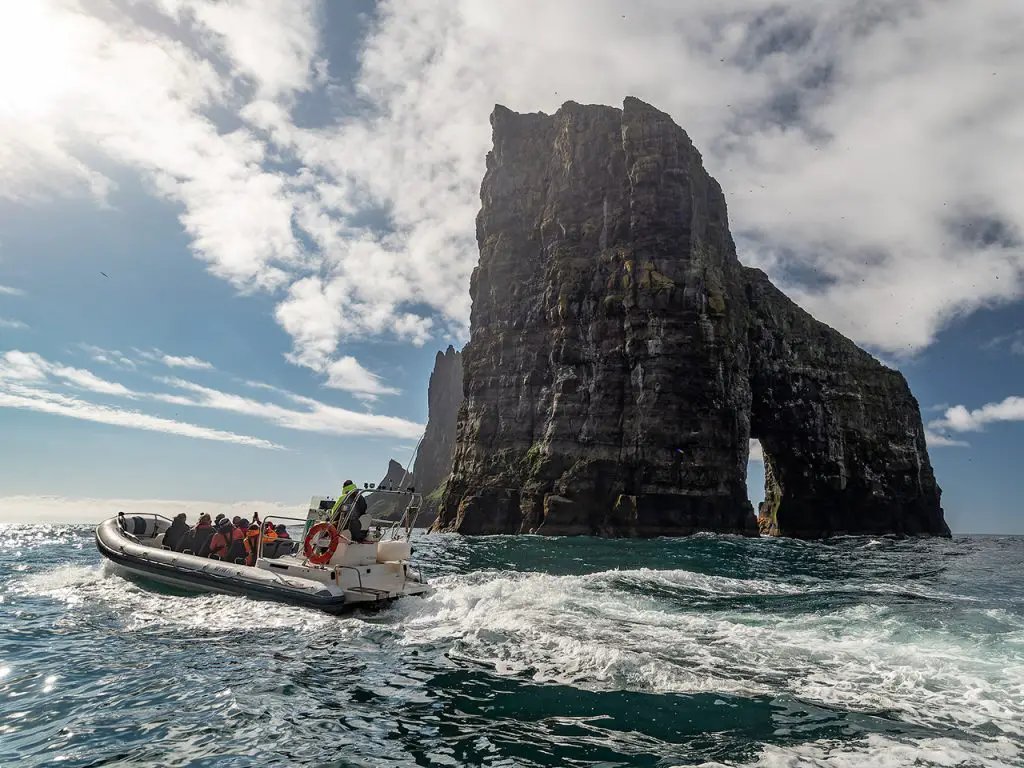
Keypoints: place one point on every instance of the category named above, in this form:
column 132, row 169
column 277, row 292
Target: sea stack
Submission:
column 437, row 451
column 621, row 357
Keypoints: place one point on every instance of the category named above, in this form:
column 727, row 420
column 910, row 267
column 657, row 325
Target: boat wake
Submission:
column 613, row 630
column 734, row 653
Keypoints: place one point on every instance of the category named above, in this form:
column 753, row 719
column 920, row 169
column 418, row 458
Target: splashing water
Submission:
column 532, row 651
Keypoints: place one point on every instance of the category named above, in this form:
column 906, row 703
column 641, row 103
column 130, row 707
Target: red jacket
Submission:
column 219, row 545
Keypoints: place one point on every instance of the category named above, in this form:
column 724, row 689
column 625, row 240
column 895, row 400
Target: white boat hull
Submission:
column 290, row 579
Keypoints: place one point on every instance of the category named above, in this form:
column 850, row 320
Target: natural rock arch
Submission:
column 621, row 357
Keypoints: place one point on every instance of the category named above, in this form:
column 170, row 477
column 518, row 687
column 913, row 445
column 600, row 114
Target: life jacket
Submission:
column 219, row 545
column 239, row 547
column 269, row 535
column 252, row 537
column 345, row 491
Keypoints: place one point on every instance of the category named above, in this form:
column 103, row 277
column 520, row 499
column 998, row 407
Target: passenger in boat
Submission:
column 360, row 521
column 220, row 541
column 238, row 549
column 282, row 531
column 346, row 489
column 269, row 532
column 252, row 541
column 174, row 537
column 201, row 536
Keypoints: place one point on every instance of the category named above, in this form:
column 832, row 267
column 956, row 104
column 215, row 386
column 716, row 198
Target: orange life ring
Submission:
column 314, row 532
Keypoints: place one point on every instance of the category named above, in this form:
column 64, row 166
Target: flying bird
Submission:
column 105, row 274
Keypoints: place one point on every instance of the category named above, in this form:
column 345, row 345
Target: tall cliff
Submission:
column 437, row 450
column 621, row 357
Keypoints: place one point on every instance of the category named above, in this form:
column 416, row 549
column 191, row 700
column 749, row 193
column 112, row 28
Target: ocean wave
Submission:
column 595, row 631
column 767, row 653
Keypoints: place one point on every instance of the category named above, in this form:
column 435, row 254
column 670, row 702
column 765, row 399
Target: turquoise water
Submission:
column 533, row 652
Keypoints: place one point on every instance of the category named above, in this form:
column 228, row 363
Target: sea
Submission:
column 702, row 651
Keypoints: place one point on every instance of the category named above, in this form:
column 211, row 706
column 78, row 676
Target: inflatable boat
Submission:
column 337, row 564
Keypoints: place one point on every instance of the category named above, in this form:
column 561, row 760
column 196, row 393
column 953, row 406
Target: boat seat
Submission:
column 278, row 548
column 137, row 525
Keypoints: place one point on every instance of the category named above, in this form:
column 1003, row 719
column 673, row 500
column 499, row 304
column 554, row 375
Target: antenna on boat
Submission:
column 412, row 458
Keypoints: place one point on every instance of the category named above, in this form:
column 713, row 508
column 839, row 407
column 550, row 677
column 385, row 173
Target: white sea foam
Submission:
column 102, row 587
column 596, row 631
column 615, row 630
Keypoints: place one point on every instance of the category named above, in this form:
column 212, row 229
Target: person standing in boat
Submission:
column 359, row 521
column 347, row 488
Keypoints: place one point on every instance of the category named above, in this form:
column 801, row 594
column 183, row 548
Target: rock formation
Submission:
column 844, row 447
column 437, row 450
column 620, row 357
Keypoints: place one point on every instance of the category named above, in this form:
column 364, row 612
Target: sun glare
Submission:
column 36, row 48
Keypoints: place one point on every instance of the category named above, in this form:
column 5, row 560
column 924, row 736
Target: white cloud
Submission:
column 61, row 405
column 108, row 357
column 272, row 43
column 45, row 401
column 16, row 365
column 346, row 373
column 174, row 361
column 871, row 181
column 188, row 361
column 25, row 384
column 12, row 325
column 90, row 381
column 959, row 419
column 262, row 385
column 63, row 62
column 936, row 440
column 830, row 126
column 756, row 453
column 60, row 509
column 26, row 380
column 317, row 417
column 6, row 290
column 1013, row 342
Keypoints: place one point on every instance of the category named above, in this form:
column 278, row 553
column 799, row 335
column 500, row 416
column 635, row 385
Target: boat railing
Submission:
column 404, row 523
column 296, row 543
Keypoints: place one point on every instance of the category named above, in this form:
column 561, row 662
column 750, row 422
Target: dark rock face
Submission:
column 437, row 450
column 621, row 357
column 842, row 435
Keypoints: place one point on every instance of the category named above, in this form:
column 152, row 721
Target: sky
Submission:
column 233, row 235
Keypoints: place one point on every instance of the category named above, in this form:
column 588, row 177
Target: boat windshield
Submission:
column 392, row 512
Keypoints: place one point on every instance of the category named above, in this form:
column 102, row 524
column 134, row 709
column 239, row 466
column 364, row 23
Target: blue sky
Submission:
column 282, row 198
